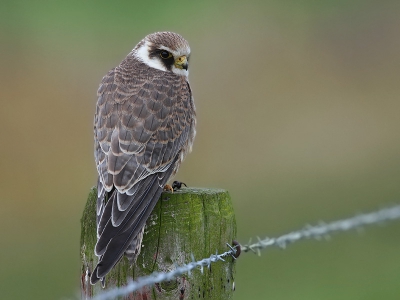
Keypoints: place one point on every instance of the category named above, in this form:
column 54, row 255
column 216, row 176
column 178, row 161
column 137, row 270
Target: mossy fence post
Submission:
column 191, row 221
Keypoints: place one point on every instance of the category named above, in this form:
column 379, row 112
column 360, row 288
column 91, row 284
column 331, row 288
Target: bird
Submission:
column 144, row 126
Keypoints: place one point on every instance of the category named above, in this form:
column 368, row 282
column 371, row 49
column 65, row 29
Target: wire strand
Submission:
column 322, row 230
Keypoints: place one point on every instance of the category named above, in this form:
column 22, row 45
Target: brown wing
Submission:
column 142, row 125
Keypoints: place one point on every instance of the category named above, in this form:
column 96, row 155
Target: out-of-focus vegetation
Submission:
column 298, row 117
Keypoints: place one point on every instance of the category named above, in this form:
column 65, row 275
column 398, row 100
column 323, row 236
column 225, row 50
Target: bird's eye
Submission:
column 165, row 54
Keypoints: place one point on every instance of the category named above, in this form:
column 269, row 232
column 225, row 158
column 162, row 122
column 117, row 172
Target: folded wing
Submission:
column 142, row 126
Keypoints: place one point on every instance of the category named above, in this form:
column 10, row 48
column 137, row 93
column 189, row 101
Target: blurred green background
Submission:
column 298, row 117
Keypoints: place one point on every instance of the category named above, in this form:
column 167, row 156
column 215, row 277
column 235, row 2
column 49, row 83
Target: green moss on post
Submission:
column 190, row 221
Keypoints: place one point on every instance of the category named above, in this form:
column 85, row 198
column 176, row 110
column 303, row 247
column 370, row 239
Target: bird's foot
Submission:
column 176, row 185
column 168, row 188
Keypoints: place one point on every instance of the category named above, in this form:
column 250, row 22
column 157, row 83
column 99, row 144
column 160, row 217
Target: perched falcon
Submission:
column 143, row 128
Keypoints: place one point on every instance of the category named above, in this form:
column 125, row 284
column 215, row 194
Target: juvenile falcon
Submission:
column 143, row 128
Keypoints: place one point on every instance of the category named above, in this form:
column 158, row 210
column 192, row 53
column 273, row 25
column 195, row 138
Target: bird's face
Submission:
column 166, row 51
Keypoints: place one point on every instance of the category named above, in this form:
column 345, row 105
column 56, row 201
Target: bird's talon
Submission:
column 169, row 188
column 176, row 185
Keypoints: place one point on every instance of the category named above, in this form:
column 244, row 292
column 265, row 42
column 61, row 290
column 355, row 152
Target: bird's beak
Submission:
column 181, row 62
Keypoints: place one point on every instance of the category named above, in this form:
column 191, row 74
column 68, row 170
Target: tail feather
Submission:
column 114, row 241
column 133, row 250
column 138, row 205
column 101, row 192
column 120, row 243
column 106, row 215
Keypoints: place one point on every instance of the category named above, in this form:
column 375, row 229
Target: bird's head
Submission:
column 166, row 51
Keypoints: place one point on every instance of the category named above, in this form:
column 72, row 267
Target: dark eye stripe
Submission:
column 168, row 62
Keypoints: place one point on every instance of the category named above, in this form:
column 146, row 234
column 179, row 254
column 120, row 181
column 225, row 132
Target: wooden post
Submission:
column 189, row 221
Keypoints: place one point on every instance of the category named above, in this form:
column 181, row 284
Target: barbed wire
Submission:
column 322, row 230
column 158, row 277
